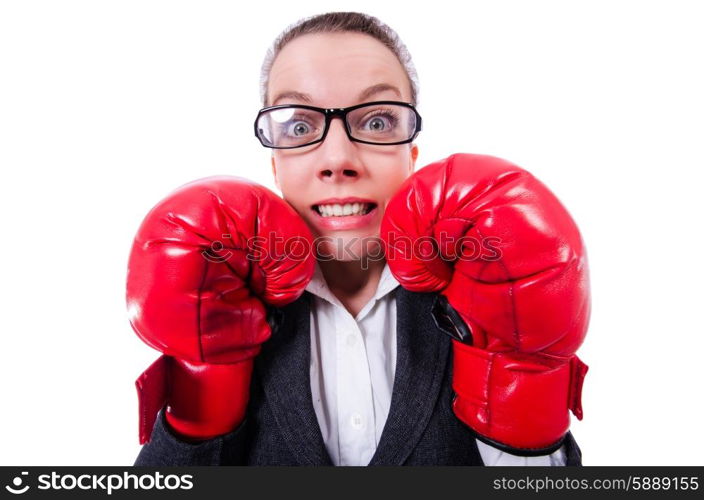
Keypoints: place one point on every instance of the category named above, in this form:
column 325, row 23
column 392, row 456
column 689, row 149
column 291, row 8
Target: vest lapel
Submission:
column 283, row 369
column 421, row 359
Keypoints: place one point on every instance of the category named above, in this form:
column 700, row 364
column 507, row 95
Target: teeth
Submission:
column 337, row 210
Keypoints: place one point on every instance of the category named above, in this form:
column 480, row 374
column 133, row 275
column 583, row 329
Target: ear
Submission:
column 273, row 171
column 414, row 157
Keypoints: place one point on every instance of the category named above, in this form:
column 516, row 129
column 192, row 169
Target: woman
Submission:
column 334, row 384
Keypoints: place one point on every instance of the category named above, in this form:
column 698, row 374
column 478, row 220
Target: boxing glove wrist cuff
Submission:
column 202, row 400
column 515, row 401
column 152, row 391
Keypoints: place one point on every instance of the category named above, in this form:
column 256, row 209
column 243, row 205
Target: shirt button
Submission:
column 357, row 421
column 351, row 340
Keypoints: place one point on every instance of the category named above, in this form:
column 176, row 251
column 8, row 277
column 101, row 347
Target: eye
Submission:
column 377, row 124
column 380, row 121
column 297, row 129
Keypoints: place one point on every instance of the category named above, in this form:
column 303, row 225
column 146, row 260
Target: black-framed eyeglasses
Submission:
column 288, row 126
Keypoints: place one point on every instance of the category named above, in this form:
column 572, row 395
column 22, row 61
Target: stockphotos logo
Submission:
column 102, row 482
column 17, row 488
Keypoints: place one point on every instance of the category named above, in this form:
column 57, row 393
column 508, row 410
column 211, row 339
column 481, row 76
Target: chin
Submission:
column 349, row 248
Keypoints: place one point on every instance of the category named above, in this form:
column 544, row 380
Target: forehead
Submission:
column 334, row 69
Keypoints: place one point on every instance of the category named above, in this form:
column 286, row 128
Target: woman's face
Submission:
column 336, row 70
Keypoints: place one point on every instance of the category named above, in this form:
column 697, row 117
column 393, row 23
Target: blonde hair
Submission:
column 338, row 22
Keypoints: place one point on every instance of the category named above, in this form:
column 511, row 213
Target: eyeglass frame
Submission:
column 331, row 113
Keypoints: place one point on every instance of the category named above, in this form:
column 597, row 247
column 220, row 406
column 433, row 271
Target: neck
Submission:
column 351, row 282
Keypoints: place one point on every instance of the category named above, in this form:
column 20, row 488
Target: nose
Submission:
column 339, row 156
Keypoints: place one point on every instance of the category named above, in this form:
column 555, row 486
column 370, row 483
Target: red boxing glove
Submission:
column 205, row 265
column 507, row 256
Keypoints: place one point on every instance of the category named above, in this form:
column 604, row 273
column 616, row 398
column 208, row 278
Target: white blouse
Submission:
column 352, row 375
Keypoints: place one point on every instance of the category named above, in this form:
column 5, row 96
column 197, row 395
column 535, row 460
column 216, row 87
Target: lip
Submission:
column 342, row 201
column 348, row 221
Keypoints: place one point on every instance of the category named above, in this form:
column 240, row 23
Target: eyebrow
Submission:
column 363, row 96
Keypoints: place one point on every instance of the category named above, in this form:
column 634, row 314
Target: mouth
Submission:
column 343, row 209
column 343, row 214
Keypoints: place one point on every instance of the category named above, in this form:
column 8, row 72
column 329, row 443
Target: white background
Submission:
column 107, row 106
